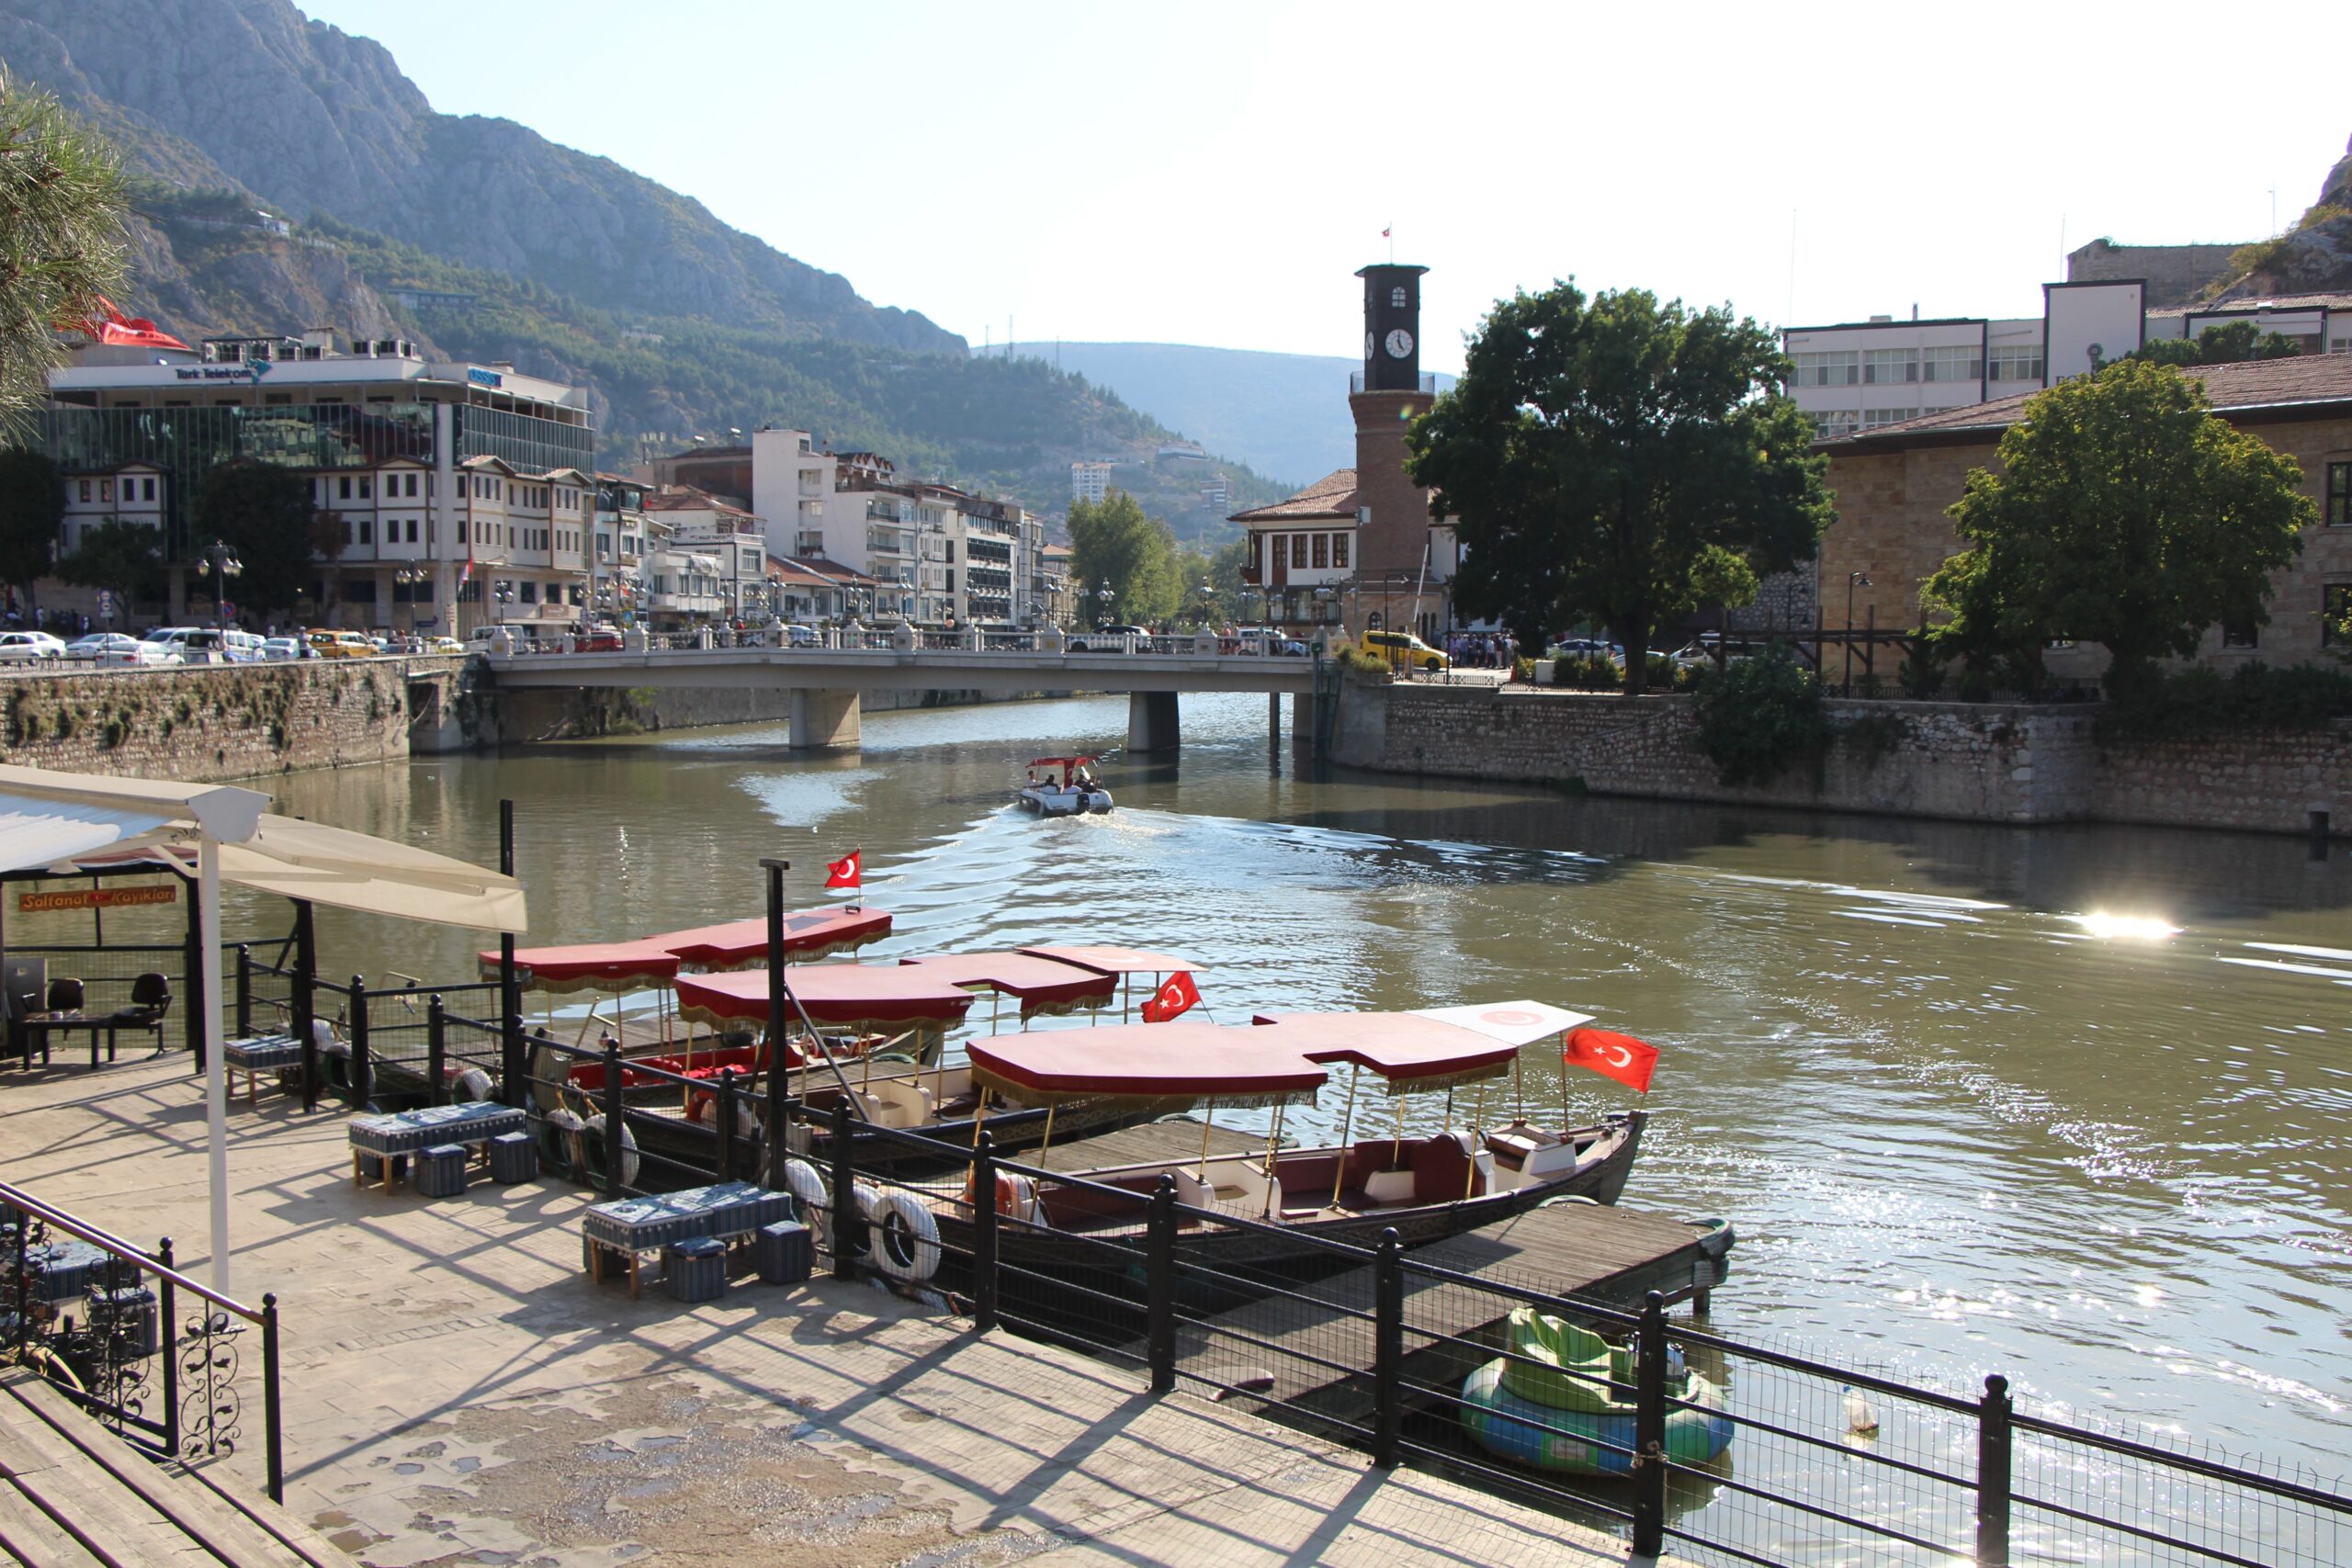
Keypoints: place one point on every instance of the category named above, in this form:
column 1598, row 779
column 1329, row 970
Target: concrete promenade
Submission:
column 457, row 1392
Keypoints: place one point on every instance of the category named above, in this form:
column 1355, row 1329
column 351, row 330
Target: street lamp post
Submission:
column 1208, row 601
column 1106, row 595
column 1853, row 579
column 224, row 564
column 408, row 577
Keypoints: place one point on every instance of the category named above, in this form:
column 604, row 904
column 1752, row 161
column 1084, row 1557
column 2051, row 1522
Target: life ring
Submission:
column 592, row 1150
column 698, row 1111
column 807, row 1190
column 906, row 1236
column 1016, row 1196
column 559, row 1142
column 335, row 1066
column 469, row 1085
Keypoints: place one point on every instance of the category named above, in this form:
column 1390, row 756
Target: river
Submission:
column 2067, row 1103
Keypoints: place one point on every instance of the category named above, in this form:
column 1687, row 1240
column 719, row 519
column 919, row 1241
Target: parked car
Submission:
column 30, row 647
column 797, row 636
column 1110, row 639
column 1403, row 651
column 329, row 643
column 115, row 649
column 598, row 639
column 278, row 648
column 444, row 645
column 172, row 641
column 1280, row 645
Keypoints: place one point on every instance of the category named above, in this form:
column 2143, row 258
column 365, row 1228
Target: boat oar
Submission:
column 1347, row 1125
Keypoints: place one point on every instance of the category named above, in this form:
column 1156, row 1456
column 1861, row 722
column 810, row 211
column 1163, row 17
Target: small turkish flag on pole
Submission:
column 843, row 872
column 1619, row 1056
column 1176, row 997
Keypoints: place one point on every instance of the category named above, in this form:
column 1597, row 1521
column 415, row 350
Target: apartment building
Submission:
column 617, row 561
column 449, row 477
column 1089, row 482
column 733, row 539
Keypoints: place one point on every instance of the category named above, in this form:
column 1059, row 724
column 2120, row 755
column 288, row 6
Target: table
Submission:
column 259, row 1054
column 41, row 1025
column 69, row 1266
column 729, row 1211
column 473, row 1123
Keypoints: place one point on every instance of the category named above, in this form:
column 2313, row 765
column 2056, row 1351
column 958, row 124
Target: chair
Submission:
column 66, row 995
column 150, row 998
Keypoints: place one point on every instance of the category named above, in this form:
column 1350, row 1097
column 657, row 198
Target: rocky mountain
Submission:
column 1281, row 414
column 2313, row 258
column 250, row 95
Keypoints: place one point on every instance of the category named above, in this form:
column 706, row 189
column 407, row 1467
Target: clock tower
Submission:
column 1392, row 328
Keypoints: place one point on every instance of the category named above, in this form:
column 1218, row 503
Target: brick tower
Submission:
column 1395, row 538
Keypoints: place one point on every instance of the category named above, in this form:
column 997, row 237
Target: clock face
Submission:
column 1400, row 343
column 1367, row 346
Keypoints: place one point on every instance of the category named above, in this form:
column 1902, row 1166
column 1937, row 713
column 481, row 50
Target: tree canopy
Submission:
column 1618, row 461
column 62, row 205
column 32, row 508
column 122, row 558
column 2232, row 343
column 2125, row 513
column 1114, row 541
column 264, row 513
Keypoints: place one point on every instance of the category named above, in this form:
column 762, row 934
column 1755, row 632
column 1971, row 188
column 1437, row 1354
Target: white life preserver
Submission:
column 906, row 1236
column 472, row 1085
column 807, row 1190
column 592, row 1147
column 559, row 1140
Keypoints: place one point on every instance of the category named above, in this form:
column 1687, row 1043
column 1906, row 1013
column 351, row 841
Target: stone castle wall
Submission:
column 1974, row 762
column 208, row 723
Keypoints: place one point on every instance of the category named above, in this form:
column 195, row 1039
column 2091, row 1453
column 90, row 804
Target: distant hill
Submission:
column 1284, row 414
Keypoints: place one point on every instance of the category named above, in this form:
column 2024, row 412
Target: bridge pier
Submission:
column 1152, row 721
column 825, row 721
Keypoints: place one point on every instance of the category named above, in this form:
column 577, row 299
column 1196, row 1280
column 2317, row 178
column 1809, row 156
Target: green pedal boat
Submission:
column 1549, row 1411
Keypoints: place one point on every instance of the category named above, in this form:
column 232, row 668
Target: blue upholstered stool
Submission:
column 785, row 1253
column 696, row 1270
column 441, row 1171
column 128, row 1313
column 512, row 1157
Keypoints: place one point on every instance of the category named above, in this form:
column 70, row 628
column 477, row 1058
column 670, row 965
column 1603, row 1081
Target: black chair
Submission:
column 66, row 995
column 150, row 998
column 23, row 1039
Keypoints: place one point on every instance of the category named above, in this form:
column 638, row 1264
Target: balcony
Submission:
column 1427, row 385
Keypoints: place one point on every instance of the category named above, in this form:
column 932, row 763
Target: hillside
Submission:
column 2313, row 258
column 1281, row 414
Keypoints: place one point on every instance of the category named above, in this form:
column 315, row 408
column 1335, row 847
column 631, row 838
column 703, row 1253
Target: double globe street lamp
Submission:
column 224, row 563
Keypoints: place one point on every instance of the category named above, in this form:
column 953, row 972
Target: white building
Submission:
column 443, row 473
column 1089, row 482
column 733, row 540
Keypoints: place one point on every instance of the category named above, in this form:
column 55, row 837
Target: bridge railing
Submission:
column 1007, row 641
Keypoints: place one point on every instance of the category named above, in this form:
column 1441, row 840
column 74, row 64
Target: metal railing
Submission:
column 129, row 1334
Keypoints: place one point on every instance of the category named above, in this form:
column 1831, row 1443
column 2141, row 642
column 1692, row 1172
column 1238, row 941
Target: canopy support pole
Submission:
column 216, row 1071
column 1517, row 1093
column 980, row 1114
column 1347, row 1125
column 1564, row 1087
column 1208, row 1125
column 1478, row 1131
column 1273, row 1151
column 1046, row 1147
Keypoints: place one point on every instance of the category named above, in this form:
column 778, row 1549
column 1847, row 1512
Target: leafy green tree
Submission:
column 2126, row 514
column 2232, row 343
column 62, row 205
column 1618, row 461
column 262, row 512
column 32, row 509
column 1114, row 541
column 122, row 558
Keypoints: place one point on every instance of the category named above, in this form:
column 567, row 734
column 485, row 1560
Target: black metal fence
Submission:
column 102, row 1321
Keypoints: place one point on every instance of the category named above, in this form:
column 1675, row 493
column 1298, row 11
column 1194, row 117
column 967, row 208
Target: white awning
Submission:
column 355, row 870
column 52, row 818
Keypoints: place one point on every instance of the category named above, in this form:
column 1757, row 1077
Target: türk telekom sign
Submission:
column 97, row 899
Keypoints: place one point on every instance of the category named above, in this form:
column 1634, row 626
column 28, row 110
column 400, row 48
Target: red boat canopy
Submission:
column 1043, row 985
column 809, row 935
column 1114, row 960
column 1286, row 1057
column 1061, row 762
column 851, row 996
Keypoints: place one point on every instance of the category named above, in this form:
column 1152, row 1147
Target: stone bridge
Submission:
column 826, row 682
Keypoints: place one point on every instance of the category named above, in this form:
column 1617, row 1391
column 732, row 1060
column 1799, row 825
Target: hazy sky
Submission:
column 1213, row 174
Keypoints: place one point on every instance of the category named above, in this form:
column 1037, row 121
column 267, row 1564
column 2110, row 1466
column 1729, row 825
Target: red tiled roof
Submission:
column 831, row 571
column 686, row 498
column 2313, row 381
column 1333, row 495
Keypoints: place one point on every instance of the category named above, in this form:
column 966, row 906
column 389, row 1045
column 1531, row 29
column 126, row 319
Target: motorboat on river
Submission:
column 1063, row 786
column 1424, row 1188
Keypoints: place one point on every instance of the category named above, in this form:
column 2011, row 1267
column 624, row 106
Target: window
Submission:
column 1890, row 367
column 82, row 491
column 1322, row 551
column 1396, row 298
column 411, row 530
column 366, row 531
column 1832, row 425
column 1877, row 419
column 367, row 488
column 343, row 488
column 2241, row 634
column 1338, row 549
column 411, row 484
column 146, row 489
column 528, row 592
column 360, row 591
column 1829, row 369
column 106, row 489
column 2334, row 607
column 2017, row 362
column 2339, row 495
column 1947, row 364
column 1298, row 551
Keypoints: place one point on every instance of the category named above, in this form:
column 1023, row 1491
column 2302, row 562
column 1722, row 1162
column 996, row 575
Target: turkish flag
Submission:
column 843, row 872
column 1619, row 1056
column 1176, row 997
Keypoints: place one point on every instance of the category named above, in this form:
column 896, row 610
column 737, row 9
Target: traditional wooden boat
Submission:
column 1352, row 1191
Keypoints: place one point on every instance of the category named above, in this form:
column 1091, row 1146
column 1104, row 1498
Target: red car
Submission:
column 598, row 639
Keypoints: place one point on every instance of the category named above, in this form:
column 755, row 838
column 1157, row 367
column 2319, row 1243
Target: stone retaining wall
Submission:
column 1977, row 763
column 207, row 723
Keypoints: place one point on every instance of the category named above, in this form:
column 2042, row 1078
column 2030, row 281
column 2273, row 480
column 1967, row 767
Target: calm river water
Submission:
column 2066, row 1103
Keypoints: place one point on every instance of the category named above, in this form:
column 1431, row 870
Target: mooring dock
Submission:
column 1288, row 1349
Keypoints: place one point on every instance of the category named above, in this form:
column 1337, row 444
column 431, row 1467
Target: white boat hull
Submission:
column 1049, row 801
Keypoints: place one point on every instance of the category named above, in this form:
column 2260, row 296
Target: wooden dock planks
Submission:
column 1146, row 1143
column 1276, row 1348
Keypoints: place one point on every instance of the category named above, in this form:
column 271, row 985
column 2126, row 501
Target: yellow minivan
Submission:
column 1404, row 650
column 331, row 644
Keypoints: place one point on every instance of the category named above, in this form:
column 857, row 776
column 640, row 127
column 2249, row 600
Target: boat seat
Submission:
column 1070, row 1208
column 1442, row 1171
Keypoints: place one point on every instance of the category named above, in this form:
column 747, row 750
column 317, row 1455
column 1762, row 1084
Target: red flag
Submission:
column 1176, row 997
column 843, row 872
column 1619, row 1056
column 1383, row 233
